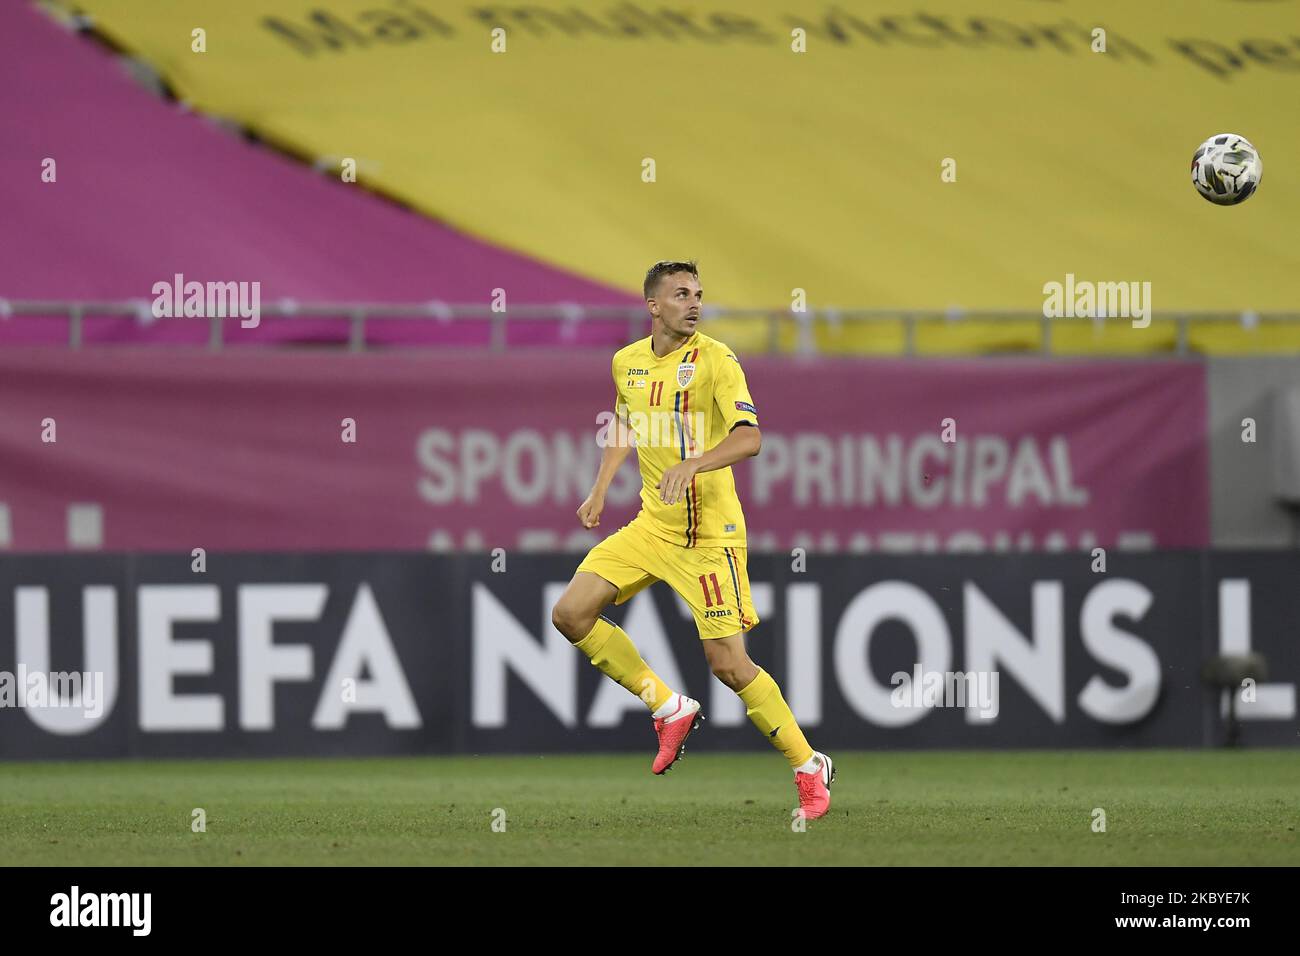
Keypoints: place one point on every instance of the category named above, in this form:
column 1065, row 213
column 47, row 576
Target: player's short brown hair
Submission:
column 666, row 268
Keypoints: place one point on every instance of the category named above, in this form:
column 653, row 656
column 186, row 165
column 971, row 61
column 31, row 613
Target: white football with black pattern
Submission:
column 1226, row 169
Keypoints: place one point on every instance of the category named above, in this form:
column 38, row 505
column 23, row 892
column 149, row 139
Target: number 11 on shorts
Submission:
column 708, row 601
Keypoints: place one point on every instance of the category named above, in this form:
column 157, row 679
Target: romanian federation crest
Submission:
column 685, row 372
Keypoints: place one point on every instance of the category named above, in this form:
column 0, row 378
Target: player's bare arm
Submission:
column 743, row 442
column 611, row 459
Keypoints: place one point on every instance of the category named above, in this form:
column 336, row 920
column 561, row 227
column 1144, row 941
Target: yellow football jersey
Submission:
column 679, row 406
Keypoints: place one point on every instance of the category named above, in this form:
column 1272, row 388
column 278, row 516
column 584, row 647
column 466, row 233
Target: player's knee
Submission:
column 733, row 668
column 562, row 618
column 573, row 622
column 729, row 673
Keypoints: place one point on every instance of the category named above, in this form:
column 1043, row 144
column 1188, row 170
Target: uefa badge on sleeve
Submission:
column 685, row 372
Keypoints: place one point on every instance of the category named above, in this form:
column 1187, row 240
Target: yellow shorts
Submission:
column 712, row 581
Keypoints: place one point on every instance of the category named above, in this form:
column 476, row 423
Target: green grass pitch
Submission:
column 1161, row 807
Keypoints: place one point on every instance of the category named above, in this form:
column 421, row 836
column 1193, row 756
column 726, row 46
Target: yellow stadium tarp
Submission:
column 793, row 145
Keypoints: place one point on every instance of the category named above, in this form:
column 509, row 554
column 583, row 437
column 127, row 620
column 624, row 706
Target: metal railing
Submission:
column 632, row 322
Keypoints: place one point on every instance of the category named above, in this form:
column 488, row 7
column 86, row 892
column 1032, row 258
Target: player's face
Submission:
column 678, row 302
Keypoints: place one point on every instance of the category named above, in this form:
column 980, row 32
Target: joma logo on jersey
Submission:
column 723, row 613
column 637, row 371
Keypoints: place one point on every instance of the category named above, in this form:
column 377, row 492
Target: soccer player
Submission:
column 682, row 396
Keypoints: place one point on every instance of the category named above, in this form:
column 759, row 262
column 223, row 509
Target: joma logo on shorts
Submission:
column 722, row 613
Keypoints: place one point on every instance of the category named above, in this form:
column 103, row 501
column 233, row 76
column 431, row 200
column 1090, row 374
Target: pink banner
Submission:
column 143, row 191
column 126, row 449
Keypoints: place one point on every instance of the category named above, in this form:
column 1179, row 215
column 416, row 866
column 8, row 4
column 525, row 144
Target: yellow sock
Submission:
column 765, row 706
column 613, row 652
